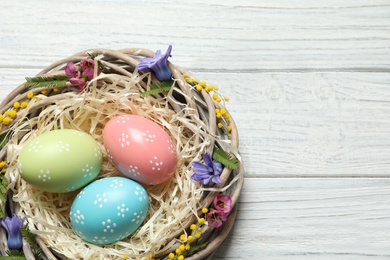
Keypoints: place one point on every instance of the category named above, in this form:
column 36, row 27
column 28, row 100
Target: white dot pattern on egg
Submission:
column 60, row 160
column 108, row 210
column 62, row 147
column 98, row 152
column 133, row 170
column 149, row 137
column 87, row 170
column 44, row 175
column 34, row 147
column 140, row 149
column 140, row 194
column 124, row 140
column 100, row 200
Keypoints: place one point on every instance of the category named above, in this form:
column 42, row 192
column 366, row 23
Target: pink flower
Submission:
column 72, row 70
column 223, row 203
column 80, row 82
column 87, row 66
column 215, row 218
column 79, row 75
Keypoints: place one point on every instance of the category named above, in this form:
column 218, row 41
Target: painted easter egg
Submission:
column 60, row 160
column 108, row 210
column 140, row 149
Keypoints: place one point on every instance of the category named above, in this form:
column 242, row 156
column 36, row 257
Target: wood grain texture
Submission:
column 311, row 219
column 256, row 35
column 303, row 124
column 309, row 89
column 311, row 124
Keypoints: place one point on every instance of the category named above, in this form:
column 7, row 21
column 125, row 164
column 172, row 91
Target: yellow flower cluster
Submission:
column 223, row 118
column 186, row 239
column 221, row 113
column 7, row 117
column 3, row 167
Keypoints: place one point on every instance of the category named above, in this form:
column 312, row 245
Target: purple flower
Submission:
column 12, row 226
column 209, row 171
column 158, row 64
column 215, row 218
column 223, row 203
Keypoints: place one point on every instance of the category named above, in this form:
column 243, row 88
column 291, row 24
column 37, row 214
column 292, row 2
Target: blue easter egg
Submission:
column 109, row 210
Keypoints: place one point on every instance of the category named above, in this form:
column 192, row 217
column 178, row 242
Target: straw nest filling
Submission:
column 173, row 205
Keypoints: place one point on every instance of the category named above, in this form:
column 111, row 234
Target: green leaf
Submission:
column 4, row 180
column 13, row 254
column 3, row 140
column 3, row 191
column 30, row 238
column 155, row 89
column 194, row 249
column 2, row 215
column 3, row 198
column 54, row 81
column 226, row 159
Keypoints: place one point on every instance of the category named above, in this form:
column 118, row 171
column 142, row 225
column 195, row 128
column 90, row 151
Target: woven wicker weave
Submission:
column 183, row 99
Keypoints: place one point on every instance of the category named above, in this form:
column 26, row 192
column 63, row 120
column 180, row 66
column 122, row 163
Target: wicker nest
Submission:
column 186, row 111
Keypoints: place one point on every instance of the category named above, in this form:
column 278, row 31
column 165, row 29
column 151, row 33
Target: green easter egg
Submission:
column 60, row 160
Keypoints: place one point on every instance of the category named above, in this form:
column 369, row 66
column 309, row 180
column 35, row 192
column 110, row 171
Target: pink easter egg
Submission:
column 140, row 149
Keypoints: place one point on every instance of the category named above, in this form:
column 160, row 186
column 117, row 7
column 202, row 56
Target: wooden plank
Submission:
column 310, row 124
column 300, row 124
column 284, row 218
column 308, row 81
column 230, row 35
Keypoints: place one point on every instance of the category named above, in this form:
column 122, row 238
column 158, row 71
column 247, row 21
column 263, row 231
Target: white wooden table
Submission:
column 309, row 88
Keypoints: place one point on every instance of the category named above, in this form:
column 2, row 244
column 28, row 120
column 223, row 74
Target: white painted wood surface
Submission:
column 309, row 88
